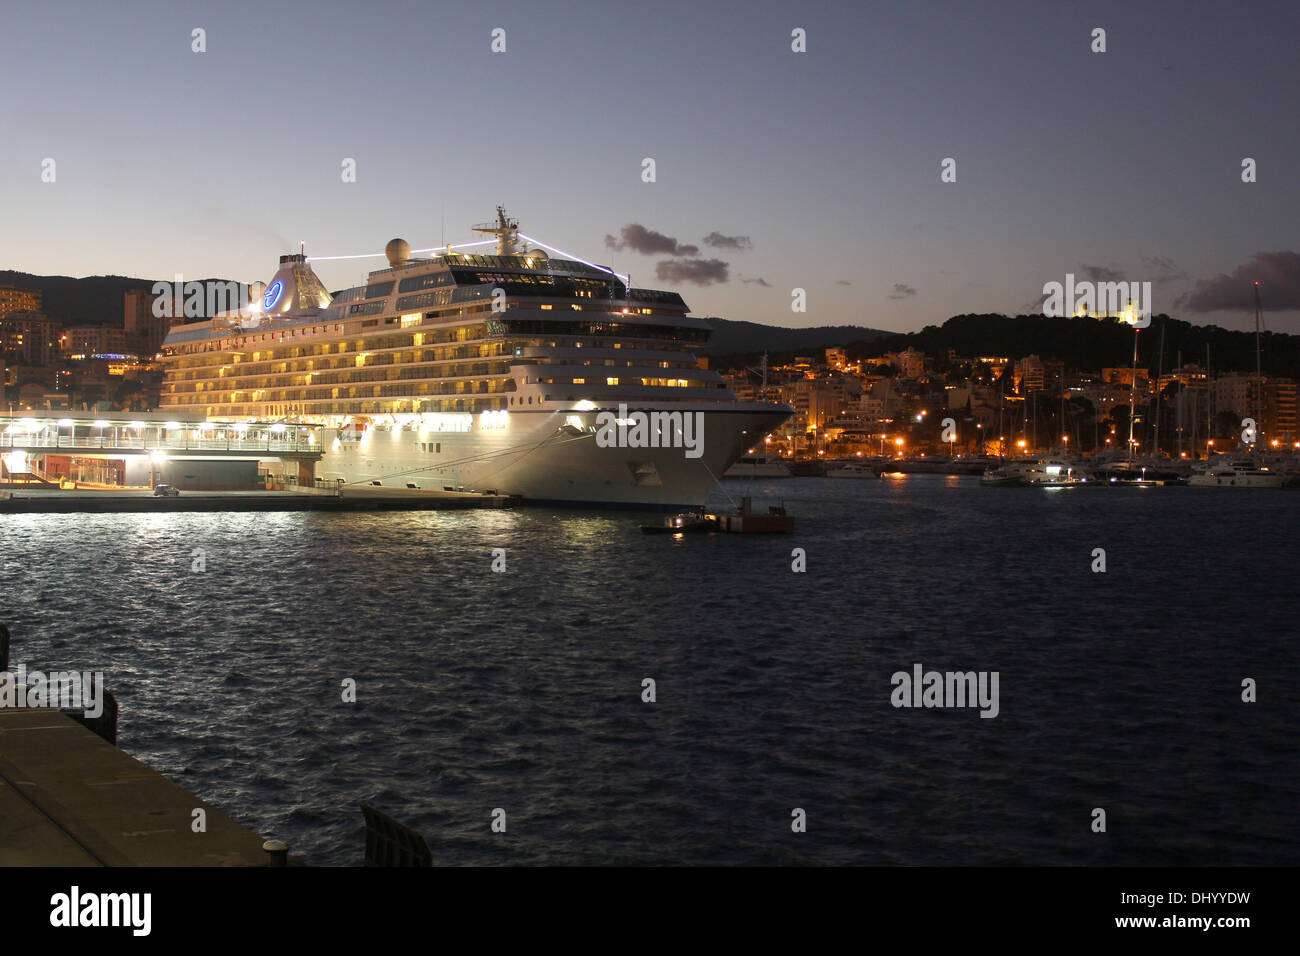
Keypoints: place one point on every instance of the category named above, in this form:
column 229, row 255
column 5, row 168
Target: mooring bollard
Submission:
column 278, row 851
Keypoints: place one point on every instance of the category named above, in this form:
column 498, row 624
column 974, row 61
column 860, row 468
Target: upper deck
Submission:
column 452, row 332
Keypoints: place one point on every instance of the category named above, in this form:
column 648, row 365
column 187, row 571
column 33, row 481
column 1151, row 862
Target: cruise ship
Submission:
column 518, row 373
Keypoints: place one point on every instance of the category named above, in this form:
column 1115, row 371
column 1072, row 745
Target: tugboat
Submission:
column 744, row 521
column 685, row 522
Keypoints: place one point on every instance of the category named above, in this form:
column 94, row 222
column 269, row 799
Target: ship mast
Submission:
column 505, row 229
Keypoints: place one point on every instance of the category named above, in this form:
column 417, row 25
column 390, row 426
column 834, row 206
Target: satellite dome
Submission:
column 398, row 252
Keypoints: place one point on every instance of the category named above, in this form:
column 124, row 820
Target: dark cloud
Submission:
column 842, row 282
column 648, row 242
column 698, row 271
column 902, row 291
column 719, row 241
column 1278, row 274
column 760, row 281
column 1162, row 270
column 1102, row 274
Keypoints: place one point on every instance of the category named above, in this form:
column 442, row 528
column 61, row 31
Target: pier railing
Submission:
column 39, row 443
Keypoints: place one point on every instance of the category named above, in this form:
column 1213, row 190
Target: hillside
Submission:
column 1093, row 344
column 732, row 338
column 93, row 300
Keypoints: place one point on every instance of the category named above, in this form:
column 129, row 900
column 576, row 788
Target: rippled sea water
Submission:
column 522, row 690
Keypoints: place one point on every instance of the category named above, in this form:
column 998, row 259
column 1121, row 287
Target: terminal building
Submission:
column 124, row 450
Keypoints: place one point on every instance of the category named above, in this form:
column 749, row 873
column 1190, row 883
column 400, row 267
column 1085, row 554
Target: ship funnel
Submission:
column 295, row 289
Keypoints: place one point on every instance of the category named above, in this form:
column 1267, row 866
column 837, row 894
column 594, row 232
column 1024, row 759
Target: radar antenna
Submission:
column 505, row 229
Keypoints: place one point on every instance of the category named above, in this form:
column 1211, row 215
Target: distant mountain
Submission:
column 94, row 300
column 751, row 338
column 1093, row 344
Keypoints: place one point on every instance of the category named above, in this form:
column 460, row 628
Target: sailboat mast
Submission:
column 1132, row 393
column 1179, row 407
column 1259, row 374
column 1160, row 370
column 1209, row 383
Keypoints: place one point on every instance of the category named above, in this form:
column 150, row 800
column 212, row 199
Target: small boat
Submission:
column 745, row 521
column 1052, row 473
column 685, row 522
column 1139, row 472
column 1009, row 473
column 853, row 469
column 1043, row 473
column 758, row 466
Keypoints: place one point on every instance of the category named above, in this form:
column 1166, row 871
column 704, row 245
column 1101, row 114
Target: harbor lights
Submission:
column 899, row 443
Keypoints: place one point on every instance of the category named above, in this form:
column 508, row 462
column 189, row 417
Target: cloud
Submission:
column 648, row 242
column 698, row 271
column 1162, row 270
column 842, row 282
column 902, row 291
column 1278, row 274
column 1102, row 274
column 719, row 241
column 760, row 281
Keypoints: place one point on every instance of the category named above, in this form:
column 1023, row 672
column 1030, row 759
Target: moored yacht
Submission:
column 1235, row 473
column 758, row 466
column 1042, row 473
column 851, row 469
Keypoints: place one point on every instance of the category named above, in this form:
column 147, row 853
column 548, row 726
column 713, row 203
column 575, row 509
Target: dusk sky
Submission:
column 1125, row 164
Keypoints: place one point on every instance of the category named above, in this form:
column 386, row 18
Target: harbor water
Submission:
column 230, row 640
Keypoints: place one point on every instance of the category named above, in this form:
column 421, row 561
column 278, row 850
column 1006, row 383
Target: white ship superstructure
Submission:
column 516, row 373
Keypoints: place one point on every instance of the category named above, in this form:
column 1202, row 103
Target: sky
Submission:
column 816, row 170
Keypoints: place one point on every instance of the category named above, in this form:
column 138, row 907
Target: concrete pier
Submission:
column 69, row 798
column 354, row 498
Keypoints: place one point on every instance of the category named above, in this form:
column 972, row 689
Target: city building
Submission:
column 144, row 330
column 87, row 341
column 1030, row 374
column 13, row 299
column 30, row 337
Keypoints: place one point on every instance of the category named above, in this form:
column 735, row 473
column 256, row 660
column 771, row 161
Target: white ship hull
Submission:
column 550, row 455
column 1230, row 480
